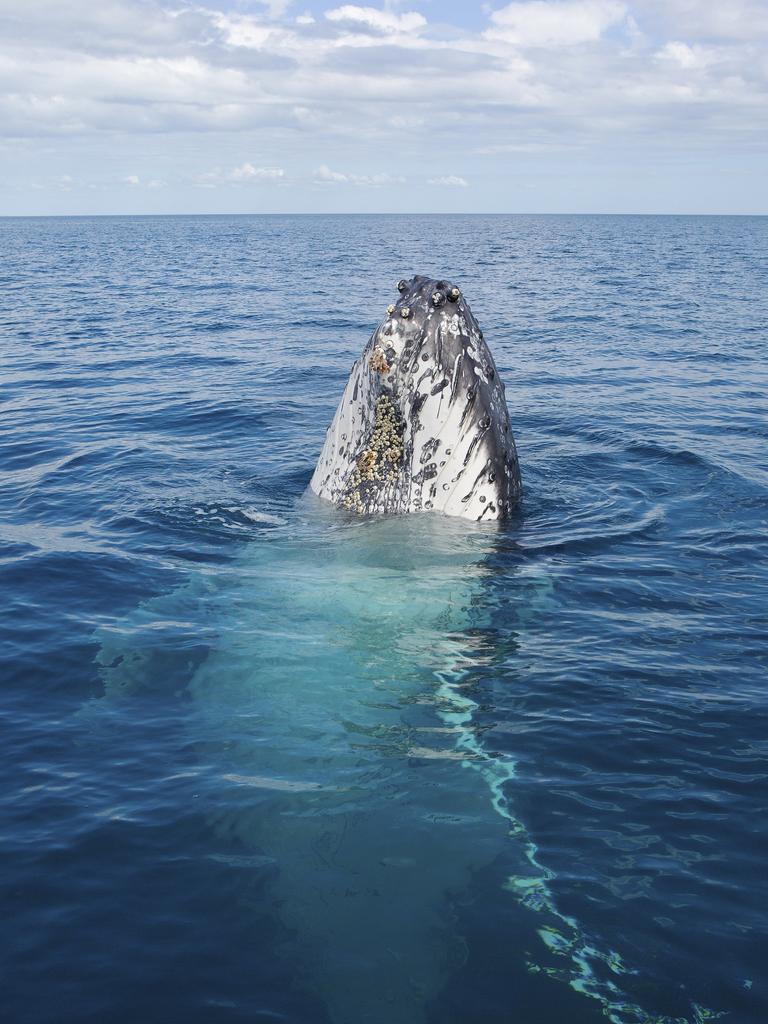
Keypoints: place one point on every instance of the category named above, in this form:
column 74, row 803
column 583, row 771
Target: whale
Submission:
column 423, row 422
column 352, row 658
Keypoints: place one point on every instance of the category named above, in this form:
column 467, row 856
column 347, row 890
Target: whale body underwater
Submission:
column 333, row 714
column 423, row 422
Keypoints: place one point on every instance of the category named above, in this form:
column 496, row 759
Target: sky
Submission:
column 270, row 106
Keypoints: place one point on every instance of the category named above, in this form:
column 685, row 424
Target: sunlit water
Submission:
column 266, row 761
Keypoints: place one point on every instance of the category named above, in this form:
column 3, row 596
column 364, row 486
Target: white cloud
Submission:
column 556, row 22
column 324, row 175
column 379, row 21
column 449, row 181
column 687, row 57
column 247, row 172
column 370, row 86
column 365, row 74
column 134, row 181
column 243, row 174
column 241, row 30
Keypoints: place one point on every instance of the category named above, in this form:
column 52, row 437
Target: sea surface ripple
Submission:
column 166, row 384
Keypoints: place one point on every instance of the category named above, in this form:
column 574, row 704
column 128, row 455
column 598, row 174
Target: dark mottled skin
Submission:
column 423, row 422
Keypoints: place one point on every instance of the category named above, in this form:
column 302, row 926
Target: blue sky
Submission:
column 152, row 106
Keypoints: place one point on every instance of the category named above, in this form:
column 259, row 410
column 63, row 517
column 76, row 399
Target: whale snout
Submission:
column 423, row 423
column 423, row 296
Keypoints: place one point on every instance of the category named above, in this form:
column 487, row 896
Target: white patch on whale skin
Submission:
column 436, row 377
column 452, row 325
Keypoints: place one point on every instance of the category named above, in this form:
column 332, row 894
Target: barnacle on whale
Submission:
column 378, row 361
column 377, row 463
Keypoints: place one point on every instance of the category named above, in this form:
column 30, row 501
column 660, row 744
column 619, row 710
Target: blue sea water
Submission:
column 265, row 761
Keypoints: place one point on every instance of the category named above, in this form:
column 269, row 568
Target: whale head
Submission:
column 423, row 423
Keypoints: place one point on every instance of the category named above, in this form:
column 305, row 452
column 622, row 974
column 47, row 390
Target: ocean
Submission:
column 263, row 760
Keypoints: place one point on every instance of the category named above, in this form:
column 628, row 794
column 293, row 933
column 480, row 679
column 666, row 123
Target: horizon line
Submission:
column 379, row 213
